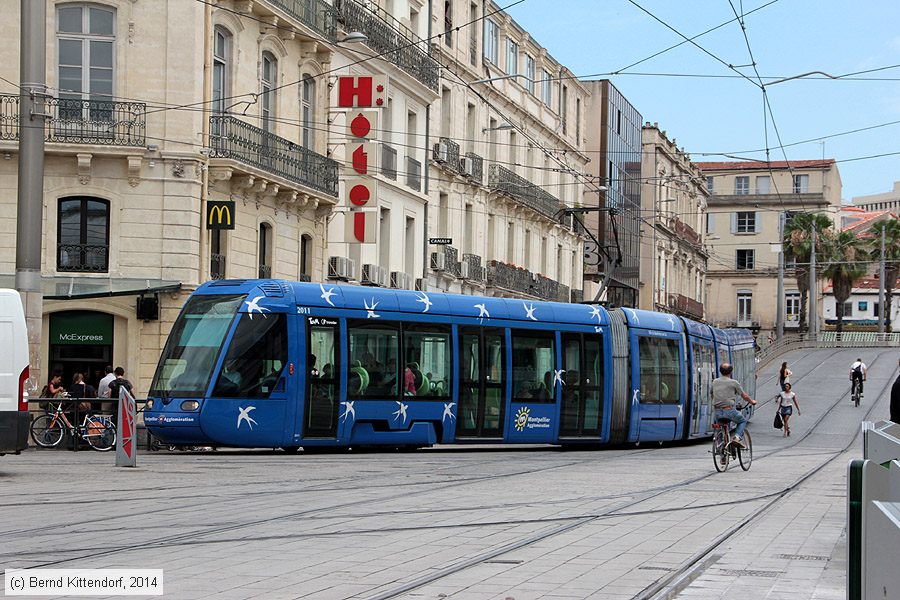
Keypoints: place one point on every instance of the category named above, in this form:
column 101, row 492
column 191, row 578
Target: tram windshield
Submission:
column 190, row 354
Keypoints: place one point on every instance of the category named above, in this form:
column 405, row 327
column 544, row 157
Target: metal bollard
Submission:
column 126, row 431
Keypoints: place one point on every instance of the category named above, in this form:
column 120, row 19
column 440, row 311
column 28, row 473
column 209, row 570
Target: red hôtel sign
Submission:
column 369, row 91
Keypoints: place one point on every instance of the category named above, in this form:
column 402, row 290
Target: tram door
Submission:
column 580, row 413
column 323, row 370
column 481, row 401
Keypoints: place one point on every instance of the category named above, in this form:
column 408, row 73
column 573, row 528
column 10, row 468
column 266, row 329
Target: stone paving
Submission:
column 461, row 523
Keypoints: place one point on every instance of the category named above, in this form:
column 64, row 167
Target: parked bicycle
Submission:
column 724, row 451
column 98, row 431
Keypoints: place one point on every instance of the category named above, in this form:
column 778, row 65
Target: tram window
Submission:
column 374, row 366
column 322, row 379
column 533, row 367
column 660, row 370
column 255, row 358
column 426, row 352
column 190, row 354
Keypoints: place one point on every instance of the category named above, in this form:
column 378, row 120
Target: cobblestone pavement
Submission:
column 465, row 523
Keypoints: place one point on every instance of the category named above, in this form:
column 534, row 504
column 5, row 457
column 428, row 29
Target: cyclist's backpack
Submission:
column 858, row 370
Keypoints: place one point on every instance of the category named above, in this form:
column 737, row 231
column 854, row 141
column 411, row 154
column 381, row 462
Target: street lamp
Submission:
column 501, row 77
column 353, row 37
column 502, row 127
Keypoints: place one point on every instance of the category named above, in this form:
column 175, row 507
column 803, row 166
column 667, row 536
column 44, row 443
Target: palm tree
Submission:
column 891, row 229
column 845, row 254
column 797, row 244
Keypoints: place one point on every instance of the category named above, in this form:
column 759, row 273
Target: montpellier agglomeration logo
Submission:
column 522, row 418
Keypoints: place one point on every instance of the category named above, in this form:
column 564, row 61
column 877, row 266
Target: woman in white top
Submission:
column 785, row 399
column 784, row 375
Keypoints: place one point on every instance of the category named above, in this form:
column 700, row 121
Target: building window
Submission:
column 491, row 40
column 741, row 185
column 216, row 254
column 745, row 222
column 448, row 23
column 512, row 57
column 546, row 88
column 473, row 34
column 709, row 185
column 744, row 307
column 221, row 51
column 564, row 108
column 308, row 111
column 529, row 73
column 267, row 84
column 844, row 310
column 83, row 235
column 745, row 260
column 306, row 255
column 792, row 307
column 710, row 223
column 85, row 46
column 265, row 251
column 801, row 184
column 863, row 306
column 763, row 184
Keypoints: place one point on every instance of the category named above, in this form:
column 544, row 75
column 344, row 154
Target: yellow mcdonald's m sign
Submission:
column 220, row 214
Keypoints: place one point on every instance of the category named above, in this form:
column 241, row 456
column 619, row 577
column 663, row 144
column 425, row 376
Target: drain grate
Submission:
column 748, row 573
column 801, row 557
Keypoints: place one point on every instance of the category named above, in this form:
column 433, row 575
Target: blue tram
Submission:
column 264, row 363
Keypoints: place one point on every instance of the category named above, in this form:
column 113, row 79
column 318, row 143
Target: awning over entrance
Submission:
column 70, row 288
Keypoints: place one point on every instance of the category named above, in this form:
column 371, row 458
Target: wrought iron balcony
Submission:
column 688, row 307
column 76, row 121
column 216, row 266
column 528, row 194
column 232, row 138
column 82, row 258
column 265, row 272
column 446, row 152
column 685, row 231
column 523, row 281
column 413, row 173
column 304, row 277
column 389, row 162
column 388, row 40
column 315, row 14
column 477, row 166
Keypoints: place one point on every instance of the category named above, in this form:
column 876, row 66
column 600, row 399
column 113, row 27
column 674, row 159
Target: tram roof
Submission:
column 646, row 319
column 739, row 337
column 701, row 330
column 282, row 294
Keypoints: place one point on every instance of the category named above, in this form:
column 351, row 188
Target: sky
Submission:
column 725, row 114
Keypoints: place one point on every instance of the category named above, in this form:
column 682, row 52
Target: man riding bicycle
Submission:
column 858, row 375
column 724, row 391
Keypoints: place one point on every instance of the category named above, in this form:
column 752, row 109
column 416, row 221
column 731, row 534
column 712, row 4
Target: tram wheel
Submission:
column 290, row 449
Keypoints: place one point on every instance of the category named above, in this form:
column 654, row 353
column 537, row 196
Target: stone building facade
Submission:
column 673, row 254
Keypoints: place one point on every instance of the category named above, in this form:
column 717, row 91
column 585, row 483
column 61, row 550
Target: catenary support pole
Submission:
column 813, row 294
column 779, row 301
column 881, row 316
column 30, row 209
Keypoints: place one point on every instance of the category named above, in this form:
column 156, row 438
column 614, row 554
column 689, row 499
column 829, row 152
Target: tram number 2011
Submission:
column 303, row 310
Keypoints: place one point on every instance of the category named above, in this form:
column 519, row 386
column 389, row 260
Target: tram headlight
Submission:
column 150, row 404
column 190, row 405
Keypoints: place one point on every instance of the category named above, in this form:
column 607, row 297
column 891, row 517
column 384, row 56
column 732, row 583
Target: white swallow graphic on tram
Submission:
column 424, row 299
column 349, row 411
column 253, row 306
column 671, row 321
column 244, row 415
column 557, row 377
column 634, row 316
column 483, row 311
column 598, row 329
column 401, row 411
column 636, row 397
column 529, row 311
column 447, row 412
column 595, row 312
column 327, row 294
column 370, row 310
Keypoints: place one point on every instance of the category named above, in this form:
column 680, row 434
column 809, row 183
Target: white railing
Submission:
column 827, row 339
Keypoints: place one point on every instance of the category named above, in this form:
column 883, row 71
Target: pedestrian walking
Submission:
column 114, row 386
column 784, row 376
column 785, row 400
column 895, row 400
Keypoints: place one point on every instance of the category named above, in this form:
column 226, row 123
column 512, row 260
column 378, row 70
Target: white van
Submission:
column 14, row 417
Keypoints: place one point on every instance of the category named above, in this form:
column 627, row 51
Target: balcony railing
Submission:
column 315, row 14
column 748, row 321
column 446, row 152
column 390, row 41
column 534, row 197
column 413, row 173
column 304, row 277
column 265, row 272
column 686, row 306
column 389, row 162
column 83, row 258
column 232, row 138
column 477, row 166
column 75, row 121
column 216, row 266
column 523, row 281
column 686, row 231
